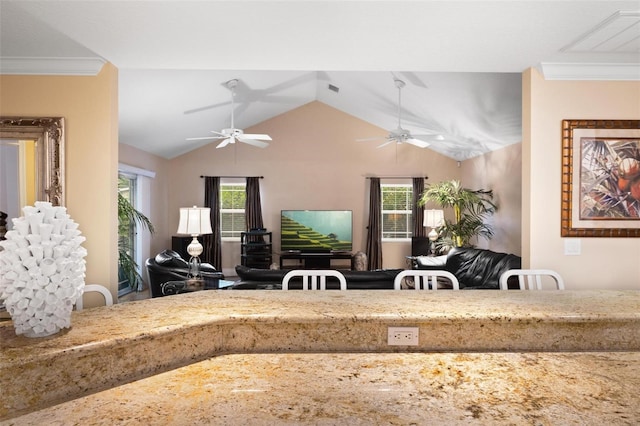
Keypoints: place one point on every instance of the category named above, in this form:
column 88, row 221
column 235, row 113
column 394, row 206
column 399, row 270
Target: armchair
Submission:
column 168, row 265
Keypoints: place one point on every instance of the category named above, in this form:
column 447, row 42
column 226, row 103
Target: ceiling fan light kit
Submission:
column 231, row 135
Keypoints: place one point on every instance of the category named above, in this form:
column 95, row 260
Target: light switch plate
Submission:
column 572, row 246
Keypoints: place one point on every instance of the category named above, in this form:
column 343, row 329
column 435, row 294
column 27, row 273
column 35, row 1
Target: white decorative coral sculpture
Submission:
column 42, row 270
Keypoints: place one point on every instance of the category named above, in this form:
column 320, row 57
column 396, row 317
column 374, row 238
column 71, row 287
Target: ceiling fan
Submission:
column 231, row 135
column 400, row 135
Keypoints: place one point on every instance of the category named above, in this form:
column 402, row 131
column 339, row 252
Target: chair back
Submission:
column 314, row 279
column 428, row 278
column 108, row 298
column 533, row 278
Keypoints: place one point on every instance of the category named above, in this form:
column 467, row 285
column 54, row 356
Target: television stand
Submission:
column 315, row 260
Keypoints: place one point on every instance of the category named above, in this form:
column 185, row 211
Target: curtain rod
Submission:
column 233, row 177
column 396, row 177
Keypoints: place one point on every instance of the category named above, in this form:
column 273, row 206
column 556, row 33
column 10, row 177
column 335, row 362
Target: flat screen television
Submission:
column 316, row 230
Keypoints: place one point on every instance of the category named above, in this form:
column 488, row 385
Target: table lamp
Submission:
column 433, row 219
column 195, row 221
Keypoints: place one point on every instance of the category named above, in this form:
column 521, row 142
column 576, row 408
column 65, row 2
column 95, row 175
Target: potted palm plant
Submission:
column 128, row 216
column 470, row 207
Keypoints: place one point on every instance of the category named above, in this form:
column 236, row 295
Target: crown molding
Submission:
column 590, row 71
column 51, row 66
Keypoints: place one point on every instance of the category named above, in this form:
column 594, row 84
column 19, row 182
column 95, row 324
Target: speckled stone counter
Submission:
column 219, row 331
column 371, row 389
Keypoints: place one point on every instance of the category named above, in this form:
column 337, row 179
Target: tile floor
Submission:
column 135, row 295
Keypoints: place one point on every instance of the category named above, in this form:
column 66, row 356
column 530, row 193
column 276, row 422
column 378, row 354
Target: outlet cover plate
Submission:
column 402, row 336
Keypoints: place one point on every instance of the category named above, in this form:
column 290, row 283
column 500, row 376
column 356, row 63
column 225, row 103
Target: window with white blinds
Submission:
column 232, row 209
column 396, row 211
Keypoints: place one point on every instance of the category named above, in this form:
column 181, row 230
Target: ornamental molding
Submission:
column 51, row 66
column 590, row 71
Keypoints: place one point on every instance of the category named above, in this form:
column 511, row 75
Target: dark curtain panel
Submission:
column 418, row 211
column 374, row 230
column 212, row 243
column 253, row 207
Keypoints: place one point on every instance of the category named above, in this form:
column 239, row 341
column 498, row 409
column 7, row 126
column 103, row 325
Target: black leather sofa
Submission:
column 168, row 265
column 474, row 268
column 256, row 279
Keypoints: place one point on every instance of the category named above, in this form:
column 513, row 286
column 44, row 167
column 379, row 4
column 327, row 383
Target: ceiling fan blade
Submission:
column 386, row 143
column 253, row 142
column 231, row 134
column 435, row 136
column 224, row 143
column 370, row 139
column 417, row 142
column 256, row 136
column 205, row 137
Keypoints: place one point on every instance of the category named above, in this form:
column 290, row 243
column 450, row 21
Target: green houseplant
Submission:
column 129, row 217
column 470, row 207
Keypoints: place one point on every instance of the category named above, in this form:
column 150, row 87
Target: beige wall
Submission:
column 612, row 263
column 90, row 108
column 500, row 171
column 314, row 162
column 314, row 147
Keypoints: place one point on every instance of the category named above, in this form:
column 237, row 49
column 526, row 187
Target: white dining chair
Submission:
column 533, row 278
column 428, row 277
column 314, row 279
column 88, row 288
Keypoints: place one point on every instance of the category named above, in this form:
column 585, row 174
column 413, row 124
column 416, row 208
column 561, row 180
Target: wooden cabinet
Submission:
column 318, row 260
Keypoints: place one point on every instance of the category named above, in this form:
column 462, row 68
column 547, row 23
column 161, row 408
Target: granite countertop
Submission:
column 124, row 349
column 371, row 389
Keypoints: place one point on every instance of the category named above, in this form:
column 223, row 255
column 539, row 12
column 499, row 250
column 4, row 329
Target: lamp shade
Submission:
column 195, row 221
column 433, row 218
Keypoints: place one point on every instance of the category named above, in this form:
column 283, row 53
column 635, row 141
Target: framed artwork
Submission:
column 600, row 178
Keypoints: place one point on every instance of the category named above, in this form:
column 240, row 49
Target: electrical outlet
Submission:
column 402, row 336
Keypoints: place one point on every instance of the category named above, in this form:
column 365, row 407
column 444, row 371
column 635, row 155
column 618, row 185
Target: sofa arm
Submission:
column 429, row 262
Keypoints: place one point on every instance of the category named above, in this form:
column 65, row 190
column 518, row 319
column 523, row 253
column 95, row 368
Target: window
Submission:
column 134, row 240
column 396, row 211
column 232, row 204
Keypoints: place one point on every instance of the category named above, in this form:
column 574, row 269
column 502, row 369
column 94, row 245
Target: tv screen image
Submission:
column 316, row 230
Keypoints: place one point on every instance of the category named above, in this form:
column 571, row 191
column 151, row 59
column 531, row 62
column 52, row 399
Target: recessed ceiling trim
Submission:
column 582, row 71
column 617, row 33
column 51, row 66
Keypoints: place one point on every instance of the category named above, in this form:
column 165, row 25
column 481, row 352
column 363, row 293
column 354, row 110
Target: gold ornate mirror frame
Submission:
column 48, row 132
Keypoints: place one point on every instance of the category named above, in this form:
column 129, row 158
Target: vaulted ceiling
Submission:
column 461, row 60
